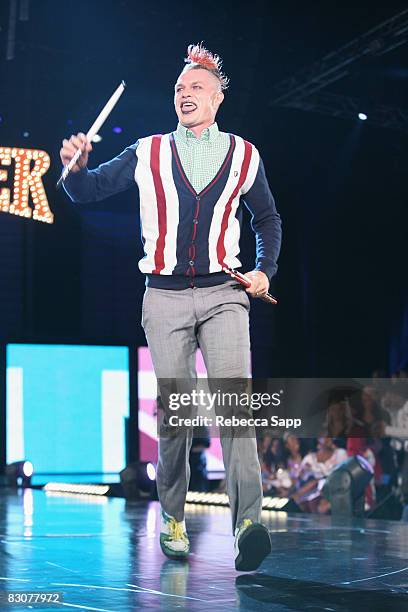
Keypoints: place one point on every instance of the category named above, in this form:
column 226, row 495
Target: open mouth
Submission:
column 188, row 107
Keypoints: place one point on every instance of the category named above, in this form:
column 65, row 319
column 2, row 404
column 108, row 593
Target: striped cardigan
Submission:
column 189, row 237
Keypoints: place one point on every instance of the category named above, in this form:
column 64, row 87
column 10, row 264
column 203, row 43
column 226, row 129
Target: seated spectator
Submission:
column 294, row 456
column 372, row 412
column 397, row 401
column 286, row 469
column 271, row 460
column 366, row 438
column 339, row 421
column 271, row 451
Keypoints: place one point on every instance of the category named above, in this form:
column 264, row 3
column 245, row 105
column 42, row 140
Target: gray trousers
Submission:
column 214, row 319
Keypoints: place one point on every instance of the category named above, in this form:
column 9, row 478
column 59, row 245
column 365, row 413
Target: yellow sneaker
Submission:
column 173, row 537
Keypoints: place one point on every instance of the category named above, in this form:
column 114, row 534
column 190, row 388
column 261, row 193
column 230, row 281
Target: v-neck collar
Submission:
column 180, row 168
column 210, row 134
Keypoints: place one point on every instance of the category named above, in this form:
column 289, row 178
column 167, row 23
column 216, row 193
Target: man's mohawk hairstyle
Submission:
column 199, row 57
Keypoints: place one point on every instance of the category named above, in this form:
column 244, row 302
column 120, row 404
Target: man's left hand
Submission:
column 259, row 283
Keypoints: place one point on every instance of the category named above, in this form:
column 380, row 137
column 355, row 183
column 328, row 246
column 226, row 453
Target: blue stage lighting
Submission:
column 117, row 130
column 362, row 116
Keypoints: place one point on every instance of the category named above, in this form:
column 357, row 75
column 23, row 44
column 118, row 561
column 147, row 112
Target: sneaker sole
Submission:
column 254, row 545
column 173, row 554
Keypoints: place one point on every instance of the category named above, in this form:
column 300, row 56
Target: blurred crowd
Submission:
column 371, row 422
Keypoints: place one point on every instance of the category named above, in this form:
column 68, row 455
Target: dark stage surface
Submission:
column 103, row 554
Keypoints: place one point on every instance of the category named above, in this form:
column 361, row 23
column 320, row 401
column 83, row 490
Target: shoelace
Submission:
column 176, row 530
column 245, row 523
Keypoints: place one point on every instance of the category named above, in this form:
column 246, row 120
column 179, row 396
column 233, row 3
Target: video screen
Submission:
column 66, row 407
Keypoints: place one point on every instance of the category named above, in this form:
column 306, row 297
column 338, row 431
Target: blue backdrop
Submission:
column 66, row 406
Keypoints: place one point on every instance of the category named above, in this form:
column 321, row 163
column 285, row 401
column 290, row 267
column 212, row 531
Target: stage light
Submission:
column 345, row 486
column 283, row 504
column 117, row 130
column 63, row 487
column 97, row 138
column 138, row 480
column 18, row 474
column 26, row 134
column 28, row 469
column 208, row 499
column 151, row 471
column 362, row 116
column 27, row 179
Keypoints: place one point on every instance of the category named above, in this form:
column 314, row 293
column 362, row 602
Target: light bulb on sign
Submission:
column 27, row 181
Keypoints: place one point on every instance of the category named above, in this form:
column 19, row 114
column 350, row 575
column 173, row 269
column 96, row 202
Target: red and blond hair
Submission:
column 199, row 57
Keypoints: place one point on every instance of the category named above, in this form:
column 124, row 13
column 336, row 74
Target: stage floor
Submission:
column 103, row 554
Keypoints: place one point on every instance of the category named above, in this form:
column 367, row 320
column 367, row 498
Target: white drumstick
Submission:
column 96, row 126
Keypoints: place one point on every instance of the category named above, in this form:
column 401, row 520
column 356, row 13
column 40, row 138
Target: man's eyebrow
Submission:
column 193, row 83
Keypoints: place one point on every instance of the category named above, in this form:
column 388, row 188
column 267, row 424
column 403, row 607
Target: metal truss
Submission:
column 379, row 40
column 347, row 107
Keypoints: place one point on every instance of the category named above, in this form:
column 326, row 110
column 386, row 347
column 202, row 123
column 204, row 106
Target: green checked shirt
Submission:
column 201, row 157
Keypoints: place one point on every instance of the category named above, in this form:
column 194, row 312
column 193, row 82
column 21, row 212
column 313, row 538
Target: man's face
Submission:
column 197, row 98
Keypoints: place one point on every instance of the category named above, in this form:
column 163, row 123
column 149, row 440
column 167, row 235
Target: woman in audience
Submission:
column 271, row 460
column 367, row 439
column 339, row 421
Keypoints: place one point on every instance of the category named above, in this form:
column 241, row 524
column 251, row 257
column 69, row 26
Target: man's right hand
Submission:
column 70, row 147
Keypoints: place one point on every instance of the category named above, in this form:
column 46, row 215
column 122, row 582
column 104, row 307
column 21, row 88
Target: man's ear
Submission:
column 219, row 99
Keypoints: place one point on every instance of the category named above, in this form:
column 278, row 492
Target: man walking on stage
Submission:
column 192, row 185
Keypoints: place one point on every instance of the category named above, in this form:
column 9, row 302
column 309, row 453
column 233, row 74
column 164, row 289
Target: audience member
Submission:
column 371, row 422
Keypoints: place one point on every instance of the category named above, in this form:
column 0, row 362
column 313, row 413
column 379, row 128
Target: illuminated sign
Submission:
column 29, row 166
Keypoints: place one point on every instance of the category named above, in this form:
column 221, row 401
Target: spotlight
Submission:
column 117, row 130
column 139, row 480
column 362, row 116
column 151, row 471
column 28, row 469
column 18, row 474
column 345, row 486
column 26, row 134
column 97, row 138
